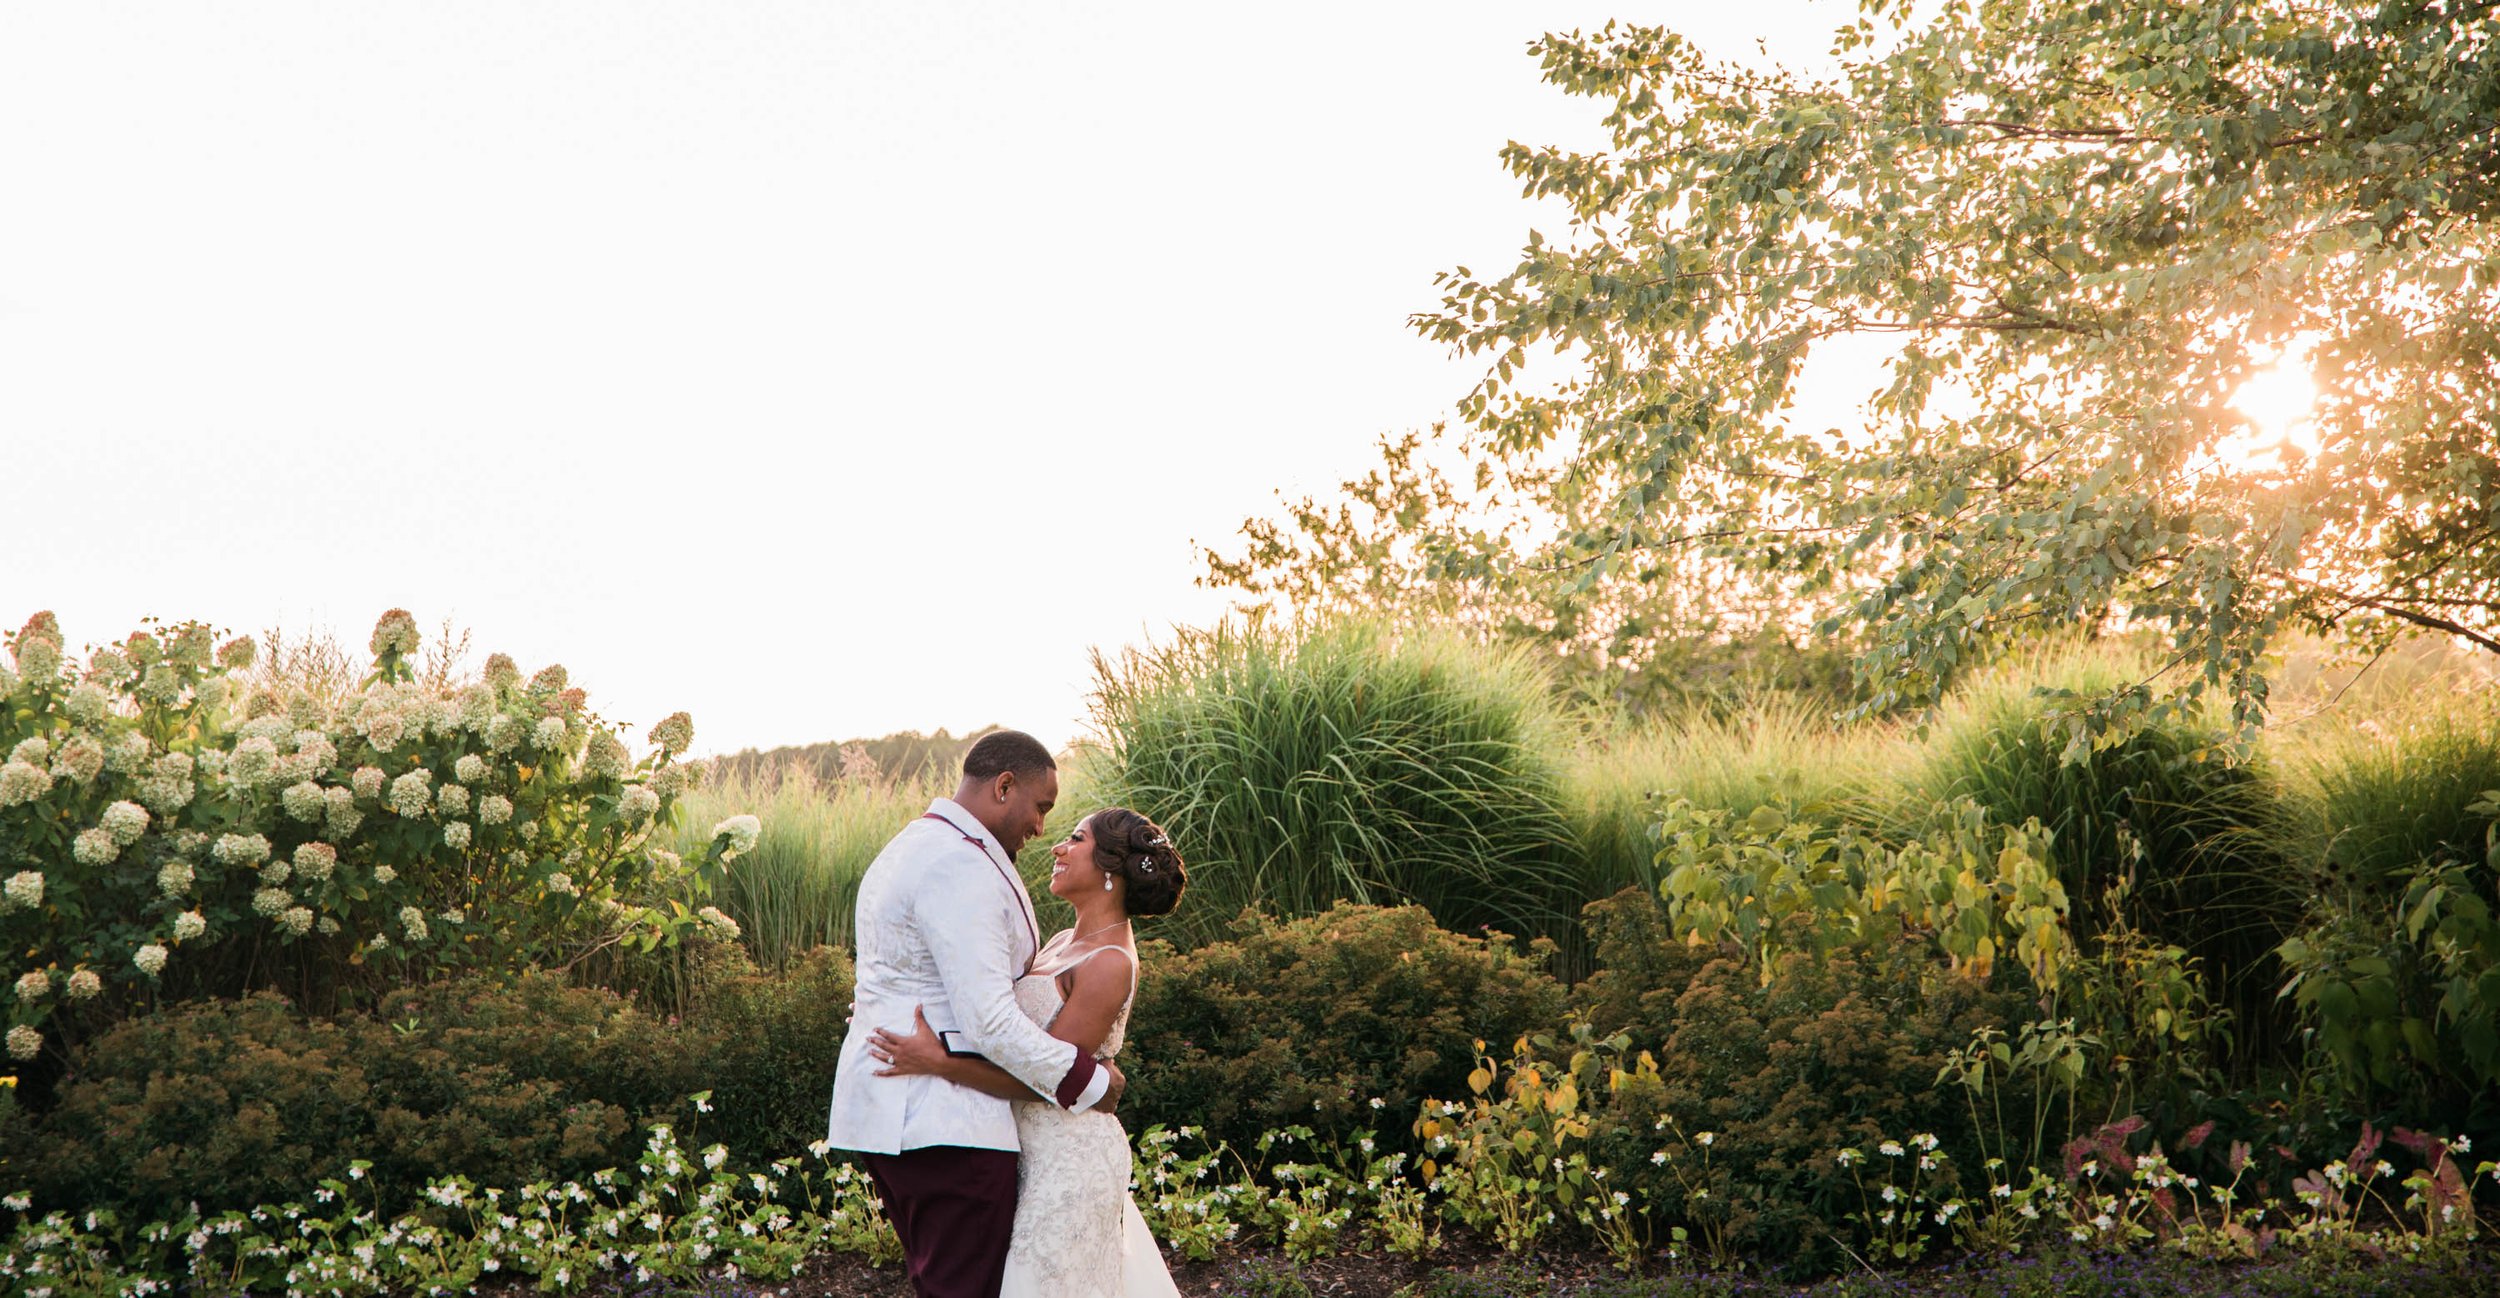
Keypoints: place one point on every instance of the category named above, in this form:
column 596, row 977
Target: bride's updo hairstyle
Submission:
column 1137, row 849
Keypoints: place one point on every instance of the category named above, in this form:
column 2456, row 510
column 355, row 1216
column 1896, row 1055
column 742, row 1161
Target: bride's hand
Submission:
column 920, row 1054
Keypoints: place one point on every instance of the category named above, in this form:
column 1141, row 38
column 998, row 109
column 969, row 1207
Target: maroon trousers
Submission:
column 955, row 1209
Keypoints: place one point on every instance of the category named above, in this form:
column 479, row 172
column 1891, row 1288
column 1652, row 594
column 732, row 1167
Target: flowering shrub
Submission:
column 166, row 828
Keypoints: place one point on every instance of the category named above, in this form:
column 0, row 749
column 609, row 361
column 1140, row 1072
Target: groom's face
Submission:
column 1029, row 800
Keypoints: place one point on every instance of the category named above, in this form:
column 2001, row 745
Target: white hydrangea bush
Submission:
column 168, row 826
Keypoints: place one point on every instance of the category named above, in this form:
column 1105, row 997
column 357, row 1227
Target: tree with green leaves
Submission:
column 2084, row 226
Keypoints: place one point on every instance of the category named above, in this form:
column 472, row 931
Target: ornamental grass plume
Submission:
column 149, row 958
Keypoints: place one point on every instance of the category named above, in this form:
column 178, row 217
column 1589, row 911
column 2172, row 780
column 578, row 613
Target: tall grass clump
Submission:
column 794, row 891
column 2367, row 798
column 1773, row 750
column 2161, row 832
column 1346, row 763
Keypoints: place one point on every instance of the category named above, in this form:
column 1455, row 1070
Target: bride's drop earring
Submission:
column 1106, row 883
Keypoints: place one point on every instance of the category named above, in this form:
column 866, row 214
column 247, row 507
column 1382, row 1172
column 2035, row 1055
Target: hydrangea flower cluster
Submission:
column 262, row 812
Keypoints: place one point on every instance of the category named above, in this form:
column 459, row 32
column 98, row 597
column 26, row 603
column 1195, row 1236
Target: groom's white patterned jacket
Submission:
column 946, row 925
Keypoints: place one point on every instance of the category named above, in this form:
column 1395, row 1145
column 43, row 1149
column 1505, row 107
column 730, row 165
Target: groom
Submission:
column 944, row 923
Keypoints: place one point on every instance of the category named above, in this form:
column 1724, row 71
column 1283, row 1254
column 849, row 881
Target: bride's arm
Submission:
column 1090, row 1001
column 1093, row 993
column 921, row 1053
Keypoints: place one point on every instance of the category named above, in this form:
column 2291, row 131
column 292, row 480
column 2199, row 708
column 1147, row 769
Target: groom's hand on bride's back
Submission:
column 1110, row 1102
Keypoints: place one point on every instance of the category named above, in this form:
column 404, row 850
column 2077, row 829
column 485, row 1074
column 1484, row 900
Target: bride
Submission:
column 1077, row 1232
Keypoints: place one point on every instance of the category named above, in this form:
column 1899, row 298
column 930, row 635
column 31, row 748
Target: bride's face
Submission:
column 1072, row 870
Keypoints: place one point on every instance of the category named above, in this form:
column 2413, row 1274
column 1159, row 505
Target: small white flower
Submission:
column 456, row 835
column 35, row 984
column 272, row 902
column 296, row 920
column 494, row 809
column 150, row 959
column 366, row 782
column 21, row 782
column 1705, row 1139
column 469, row 769
column 721, row 923
column 548, row 733
column 24, row 1042
column 384, row 874
column 1890, row 1149
column 188, row 925
column 561, row 884
column 412, row 922
column 453, row 799
column 84, row 985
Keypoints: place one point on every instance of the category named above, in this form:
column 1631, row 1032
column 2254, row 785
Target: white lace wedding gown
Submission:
column 1078, row 1233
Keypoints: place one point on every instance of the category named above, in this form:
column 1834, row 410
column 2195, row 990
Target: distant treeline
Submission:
column 901, row 757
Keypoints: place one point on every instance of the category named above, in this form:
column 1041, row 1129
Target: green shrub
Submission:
column 234, row 1103
column 1307, row 1021
column 1346, row 764
column 1781, row 1074
column 777, row 1037
column 2168, row 814
column 170, row 830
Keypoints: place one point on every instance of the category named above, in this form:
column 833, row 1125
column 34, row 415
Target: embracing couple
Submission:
column 972, row 1039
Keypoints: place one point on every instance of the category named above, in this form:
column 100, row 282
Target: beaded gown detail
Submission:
column 1078, row 1234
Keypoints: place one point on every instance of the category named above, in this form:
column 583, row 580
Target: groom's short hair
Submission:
column 1001, row 751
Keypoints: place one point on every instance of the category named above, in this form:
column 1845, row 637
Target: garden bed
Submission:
column 1471, row 1270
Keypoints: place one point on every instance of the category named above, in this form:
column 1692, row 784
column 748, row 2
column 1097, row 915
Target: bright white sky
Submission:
column 825, row 369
